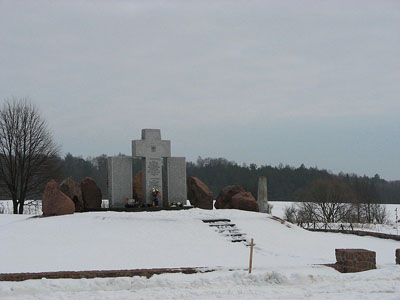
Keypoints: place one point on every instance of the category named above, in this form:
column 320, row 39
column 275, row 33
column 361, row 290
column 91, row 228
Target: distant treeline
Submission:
column 283, row 181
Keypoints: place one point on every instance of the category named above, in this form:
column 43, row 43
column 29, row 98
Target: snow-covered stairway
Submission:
column 228, row 229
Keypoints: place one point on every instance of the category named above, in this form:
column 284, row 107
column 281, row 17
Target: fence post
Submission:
column 251, row 256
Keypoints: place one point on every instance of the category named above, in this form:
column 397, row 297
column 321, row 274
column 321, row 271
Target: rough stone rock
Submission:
column 397, row 254
column 245, row 201
column 55, row 202
column 73, row 190
column 199, row 194
column 224, row 199
column 137, row 187
column 91, row 194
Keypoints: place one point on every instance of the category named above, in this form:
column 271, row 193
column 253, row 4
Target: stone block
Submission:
column 119, row 180
column 174, row 180
column 355, row 260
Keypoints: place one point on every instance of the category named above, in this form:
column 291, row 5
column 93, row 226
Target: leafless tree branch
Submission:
column 28, row 155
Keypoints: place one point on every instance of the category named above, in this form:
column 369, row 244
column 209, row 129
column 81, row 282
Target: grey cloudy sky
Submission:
column 313, row 82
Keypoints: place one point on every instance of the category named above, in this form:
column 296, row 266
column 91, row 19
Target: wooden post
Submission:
column 251, row 256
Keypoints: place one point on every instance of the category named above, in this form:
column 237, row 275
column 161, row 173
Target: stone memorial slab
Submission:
column 174, row 180
column 119, row 180
column 152, row 178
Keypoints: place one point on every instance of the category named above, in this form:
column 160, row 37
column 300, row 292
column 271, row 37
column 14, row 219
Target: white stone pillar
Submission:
column 262, row 197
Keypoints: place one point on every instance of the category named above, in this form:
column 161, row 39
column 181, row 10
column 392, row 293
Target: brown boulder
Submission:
column 199, row 194
column 137, row 189
column 55, row 202
column 73, row 190
column 91, row 194
column 236, row 197
column 224, row 199
column 245, row 201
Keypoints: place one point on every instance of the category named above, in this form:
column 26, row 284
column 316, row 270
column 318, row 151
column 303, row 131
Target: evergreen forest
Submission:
column 283, row 181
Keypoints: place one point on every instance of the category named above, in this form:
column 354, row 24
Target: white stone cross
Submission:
column 151, row 145
column 152, row 150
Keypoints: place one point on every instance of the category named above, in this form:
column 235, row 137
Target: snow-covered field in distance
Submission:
column 287, row 259
column 279, row 209
column 391, row 227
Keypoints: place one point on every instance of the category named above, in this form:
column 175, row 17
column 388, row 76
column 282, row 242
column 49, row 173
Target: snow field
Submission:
column 286, row 264
column 166, row 239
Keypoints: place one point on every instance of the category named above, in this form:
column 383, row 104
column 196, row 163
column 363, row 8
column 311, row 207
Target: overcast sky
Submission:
column 265, row 82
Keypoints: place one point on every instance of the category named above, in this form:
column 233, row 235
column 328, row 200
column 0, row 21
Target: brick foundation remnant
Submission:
column 398, row 256
column 354, row 260
column 99, row 274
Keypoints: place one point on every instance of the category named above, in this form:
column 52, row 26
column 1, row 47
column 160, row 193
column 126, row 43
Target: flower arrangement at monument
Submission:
column 156, row 194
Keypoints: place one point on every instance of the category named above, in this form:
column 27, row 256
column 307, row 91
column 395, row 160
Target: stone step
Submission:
column 229, row 231
column 238, row 240
column 229, row 234
column 216, row 220
column 235, row 234
column 222, row 225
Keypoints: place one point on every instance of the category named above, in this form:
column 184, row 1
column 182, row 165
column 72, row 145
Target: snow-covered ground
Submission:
column 309, row 284
column 287, row 259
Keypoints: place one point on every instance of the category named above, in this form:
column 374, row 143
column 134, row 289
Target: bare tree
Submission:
column 290, row 214
column 28, row 155
column 325, row 200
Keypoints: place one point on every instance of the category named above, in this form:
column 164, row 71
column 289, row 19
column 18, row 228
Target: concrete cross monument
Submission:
column 159, row 169
column 152, row 149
